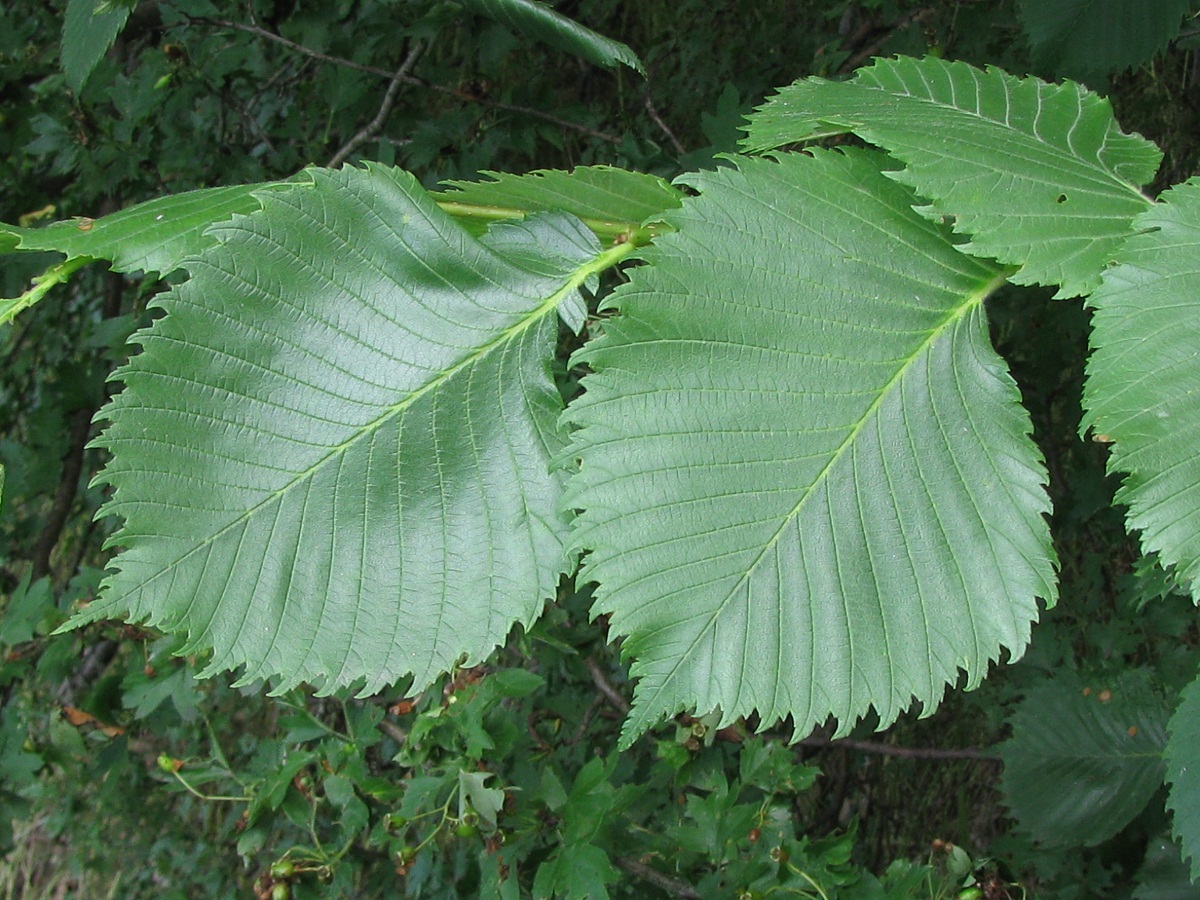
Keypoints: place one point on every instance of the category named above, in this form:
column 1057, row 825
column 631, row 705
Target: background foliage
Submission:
column 505, row 779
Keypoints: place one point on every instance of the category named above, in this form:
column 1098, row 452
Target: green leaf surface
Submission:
column 1183, row 773
column 25, row 608
column 807, row 482
column 596, row 193
column 576, row 872
column 1038, row 175
column 1163, row 875
column 155, row 236
column 1143, row 387
column 89, row 29
column 1090, row 38
column 1084, row 760
column 540, row 22
column 475, row 795
column 332, row 454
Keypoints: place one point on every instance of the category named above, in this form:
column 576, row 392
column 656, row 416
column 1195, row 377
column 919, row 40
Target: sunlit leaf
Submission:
column 155, row 236
column 332, row 454
column 1183, row 773
column 1038, row 175
column 1142, row 394
column 596, row 194
column 807, row 483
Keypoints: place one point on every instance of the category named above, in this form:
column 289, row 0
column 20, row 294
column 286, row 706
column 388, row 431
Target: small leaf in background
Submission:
column 1084, row 758
column 1163, row 874
column 1089, row 39
column 27, row 606
column 1038, row 175
column 1142, row 392
column 145, row 693
column 575, row 872
column 1183, row 774
column 353, row 813
column 474, row 794
column 540, row 22
column 90, row 28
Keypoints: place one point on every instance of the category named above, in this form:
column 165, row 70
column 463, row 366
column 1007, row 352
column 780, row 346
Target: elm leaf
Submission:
column 806, row 481
column 1142, row 394
column 1038, row 175
column 332, row 456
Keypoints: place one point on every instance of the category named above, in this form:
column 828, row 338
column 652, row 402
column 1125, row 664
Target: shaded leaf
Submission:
column 575, row 872
column 1039, row 175
column 474, row 794
column 1084, row 760
column 1091, row 38
column 1142, row 392
column 332, row 454
column 26, row 606
column 807, row 481
column 540, row 22
column 1183, row 773
column 89, row 29
column 1163, row 875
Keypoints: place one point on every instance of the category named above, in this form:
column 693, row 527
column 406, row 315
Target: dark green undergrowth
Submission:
column 124, row 776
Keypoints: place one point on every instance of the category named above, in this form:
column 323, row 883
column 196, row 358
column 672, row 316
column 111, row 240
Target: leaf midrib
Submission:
column 970, row 302
column 602, row 261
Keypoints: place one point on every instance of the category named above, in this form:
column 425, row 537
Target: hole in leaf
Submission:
column 1062, row 198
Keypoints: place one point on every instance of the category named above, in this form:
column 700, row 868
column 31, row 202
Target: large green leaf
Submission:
column 332, row 454
column 1084, row 760
column 542, row 23
column 1090, row 38
column 1039, row 175
column 1143, row 386
column 806, row 478
column 1183, row 772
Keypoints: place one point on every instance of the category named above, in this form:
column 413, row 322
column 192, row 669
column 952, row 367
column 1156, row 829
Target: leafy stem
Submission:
column 616, row 232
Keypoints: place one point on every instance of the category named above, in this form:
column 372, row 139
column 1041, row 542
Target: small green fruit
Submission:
column 466, row 829
column 281, row 891
column 283, row 869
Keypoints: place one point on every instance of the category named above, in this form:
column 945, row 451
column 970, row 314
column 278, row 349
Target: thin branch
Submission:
column 663, row 882
column 385, row 108
column 64, row 497
column 873, row 48
column 658, row 120
column 606, row 688
column 905, row 752
column 394, row 731
column 407, row 79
